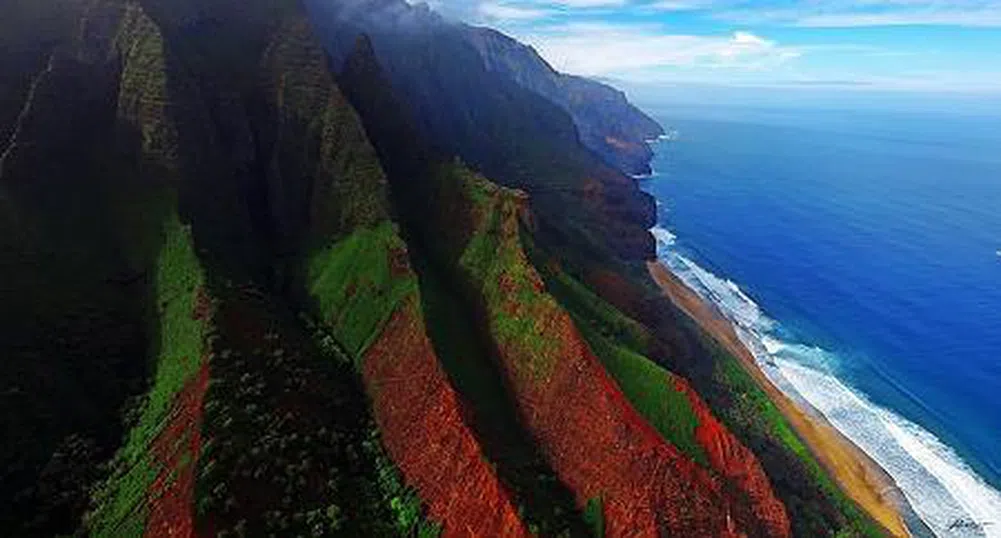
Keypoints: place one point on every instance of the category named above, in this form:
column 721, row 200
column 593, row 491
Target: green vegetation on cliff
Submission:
column 651, row 390
column 755, row 412
column 289, row 427
column 595, row 517
column 495, row 262
column 180, row 281
column 618, row 341
column 197, row 228
column 543, row 501
column 357, row 286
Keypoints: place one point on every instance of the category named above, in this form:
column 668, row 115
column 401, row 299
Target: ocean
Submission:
column 858, row 253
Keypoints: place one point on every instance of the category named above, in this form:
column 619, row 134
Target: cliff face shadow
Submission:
column 468, row 357
column 80, row 236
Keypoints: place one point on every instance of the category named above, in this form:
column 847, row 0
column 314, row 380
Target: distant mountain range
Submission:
column 349, row 269
column 606, row 122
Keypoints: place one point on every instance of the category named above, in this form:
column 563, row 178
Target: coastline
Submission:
column 861, row 478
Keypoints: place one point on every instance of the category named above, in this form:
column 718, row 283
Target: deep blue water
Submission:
column 871, row 243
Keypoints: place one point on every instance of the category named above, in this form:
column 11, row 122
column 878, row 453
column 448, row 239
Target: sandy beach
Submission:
column 857, row 474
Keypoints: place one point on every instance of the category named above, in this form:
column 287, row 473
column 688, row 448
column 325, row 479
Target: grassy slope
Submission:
column 179, row 346
column 356, row 287
column 618, row 341
column 500, row 267
column 544, row 503
column 320, row 138
column 545, row 361
column 359, row 284
column 356, row 272
column 621, row 343
column 754, row 411
column 458, row 338
column 651, row 390
column 816, row 506
column 179, row 278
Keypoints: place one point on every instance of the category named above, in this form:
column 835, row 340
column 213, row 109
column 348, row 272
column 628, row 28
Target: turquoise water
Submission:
column 859, row 255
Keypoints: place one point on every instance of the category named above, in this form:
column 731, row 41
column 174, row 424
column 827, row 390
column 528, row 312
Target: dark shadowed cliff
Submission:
column 262, row 274
column 499, row 127
column 606, row 122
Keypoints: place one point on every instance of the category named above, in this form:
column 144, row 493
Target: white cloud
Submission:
column 980, row 18
column 863, row 13
column 620, row 50
column 680, row 5
column 588, row 3
column 507, row 12
column 602, row 38
column 801, row 13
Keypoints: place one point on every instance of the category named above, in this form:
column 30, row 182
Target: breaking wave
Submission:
column 944, row 492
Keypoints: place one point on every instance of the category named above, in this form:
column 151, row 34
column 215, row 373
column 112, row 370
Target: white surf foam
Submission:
column 665, row 239
column 652, row 174
column 944, row 492
column 942, row 489
column 670, row 136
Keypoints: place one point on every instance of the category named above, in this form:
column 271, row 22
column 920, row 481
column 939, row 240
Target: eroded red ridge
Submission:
column 734, row 462
column 738, row 465
column 171, row 497
column 421, row 421
column 602, row 448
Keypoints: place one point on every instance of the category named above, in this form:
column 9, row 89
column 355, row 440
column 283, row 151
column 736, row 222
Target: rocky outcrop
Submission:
column 812, row 506
column 367, row 293
column 669, row 404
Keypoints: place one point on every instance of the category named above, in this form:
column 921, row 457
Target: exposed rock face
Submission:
column 176, row 450
column 159, row 127
column 486, row 217
column 813, row 507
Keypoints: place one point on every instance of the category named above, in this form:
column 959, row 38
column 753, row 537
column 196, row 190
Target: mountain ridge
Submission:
column 251, row 290
column 606, row 122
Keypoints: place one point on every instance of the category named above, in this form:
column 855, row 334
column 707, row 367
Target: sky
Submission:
column 888, row 45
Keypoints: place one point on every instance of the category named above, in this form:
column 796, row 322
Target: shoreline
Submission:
column 857, row 474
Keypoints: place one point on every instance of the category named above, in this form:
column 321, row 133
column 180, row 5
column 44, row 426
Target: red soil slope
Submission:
column 601, row 447
column 728, row 457
column 596, row 442
column 421, row 420
column 172, row 494
column 737, row 464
